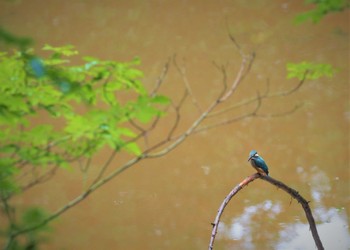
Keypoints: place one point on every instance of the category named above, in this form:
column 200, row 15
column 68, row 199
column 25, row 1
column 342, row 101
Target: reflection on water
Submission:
column 241, row 227
column 332, row 223
column 333, row 232
column 319, row 182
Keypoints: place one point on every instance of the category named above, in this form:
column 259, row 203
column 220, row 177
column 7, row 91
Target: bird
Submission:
column 258, row 163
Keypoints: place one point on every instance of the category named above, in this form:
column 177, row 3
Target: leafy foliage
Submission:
column 322, row 8
column 10, row 39
column 53, row 113
column 32, row 215
column 82, row 99
column 310, row 70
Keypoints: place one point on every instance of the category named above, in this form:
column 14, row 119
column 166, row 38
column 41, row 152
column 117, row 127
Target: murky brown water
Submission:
column 168, row 203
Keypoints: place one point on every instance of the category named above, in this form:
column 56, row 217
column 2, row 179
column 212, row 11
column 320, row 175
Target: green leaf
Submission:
column 133, row 148
column 7, row 172
column 310, row 70
column 34, row 215
column 38, row 136
column 91, row 62
column 11, row 39
column 14, row 103
column 9, row 148
column 161, row 99
column 125, row 131
column 144, row 111
column 79, row 126
column 67, row 50
column 7, row 168
column 321, row 9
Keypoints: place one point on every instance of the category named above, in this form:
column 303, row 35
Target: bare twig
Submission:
column 222, row 69
column 242, row 72
column 291, row 91
column 288, row 112
column 178, row 116
column 9, row 211
column 295, row 194
column 161, row 78
column 169, row 138
column 105, row 166
column 233, row 39
column 10, row 214
column 264, row 96
column 41, row 179
column 78, row 199
column 183, row 74
column 135, row 125
column 232, row 120
column 247, row 61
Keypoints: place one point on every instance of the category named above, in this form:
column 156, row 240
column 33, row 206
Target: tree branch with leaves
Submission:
column 99, row 106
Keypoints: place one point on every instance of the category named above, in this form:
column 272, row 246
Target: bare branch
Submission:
column 236, row 44
column 232, row 107
column 178, row 117
column 291, row 91
column 87, row 165
column 222, row 69
column 104, row 167
column 232, row 120
column 170, row 137
column 243, row 71
column 161, row 78
column 288, row 112
column 264, row 96
column 10, row 214
column 223, row 123
column 77, row 199
column 41, row 179
column 142, row 130
column 182, row 73
column 9, row 211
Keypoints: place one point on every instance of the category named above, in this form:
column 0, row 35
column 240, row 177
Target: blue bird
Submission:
column 258, row 163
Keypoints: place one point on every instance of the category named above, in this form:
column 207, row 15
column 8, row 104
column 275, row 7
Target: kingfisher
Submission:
column 258, row 163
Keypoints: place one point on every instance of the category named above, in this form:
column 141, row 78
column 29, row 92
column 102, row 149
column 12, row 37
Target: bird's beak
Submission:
column 250, row 157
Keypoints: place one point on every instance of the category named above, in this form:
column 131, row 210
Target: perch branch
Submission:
column 295, row 194
column 227, row 199
column 304, row 203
